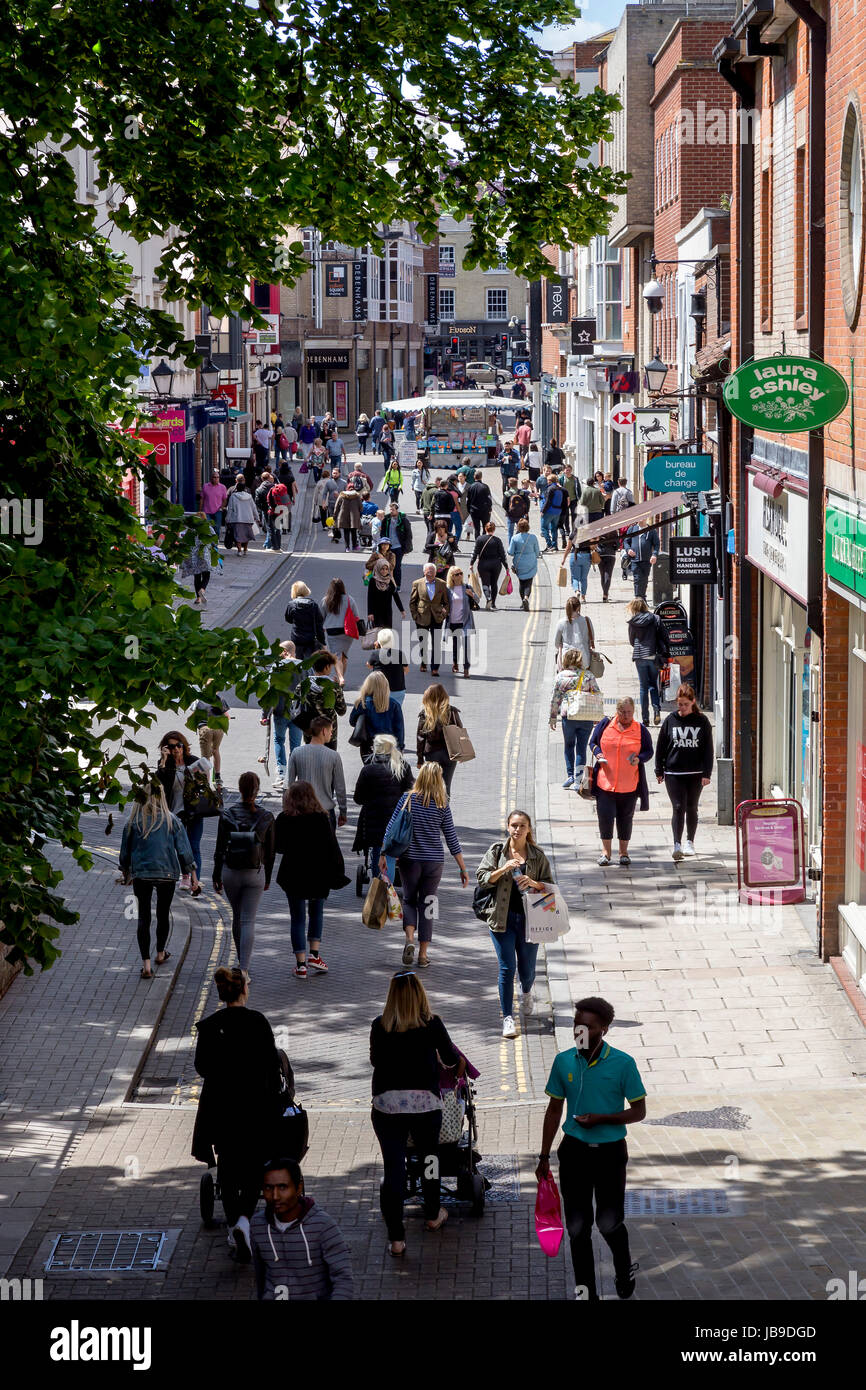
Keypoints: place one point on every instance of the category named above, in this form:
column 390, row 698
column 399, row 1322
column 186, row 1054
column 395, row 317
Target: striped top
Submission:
column 429, row 824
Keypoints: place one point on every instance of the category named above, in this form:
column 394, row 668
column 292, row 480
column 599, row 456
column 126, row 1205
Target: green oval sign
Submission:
column 787, row 395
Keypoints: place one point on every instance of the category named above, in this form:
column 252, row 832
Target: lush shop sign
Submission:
column 845, row 549
column 787, row 395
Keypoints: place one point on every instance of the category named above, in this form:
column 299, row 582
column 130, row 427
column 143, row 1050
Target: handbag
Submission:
column 304, row 468
column 359, row 735
column 562, row 577
column 475, row 582
column 374, row 913
column 596, row 663
column 399, row 837
column 453, row 1112
column 506, row 587
column 586, row 788
column 229, row 537
column 548, row 1216
column 458, row 743
column 350, row 623
column 595, row 556
column 583, row 704
column 370, row 638
column 482, row 898
column 546, row 914
column 199, row 797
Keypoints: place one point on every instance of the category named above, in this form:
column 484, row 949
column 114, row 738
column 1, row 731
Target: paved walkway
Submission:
column 753, row 1059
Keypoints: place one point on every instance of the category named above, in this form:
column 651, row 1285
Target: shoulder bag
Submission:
column 583, row 704
column 485, row 892
column 199, row 797
column 458, row 743
column 359, row 735
column 397, row 841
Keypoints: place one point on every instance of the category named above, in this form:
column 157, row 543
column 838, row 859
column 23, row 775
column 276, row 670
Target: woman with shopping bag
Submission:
column 340, row 617
column 578, row 699
column 488, row 558
column 511, row 868
column 437, row 713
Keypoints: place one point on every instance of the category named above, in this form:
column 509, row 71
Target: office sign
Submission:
column 323, row 357
column 787, row 395
column 693, row 559
column 336, row 281
column 679, row 473
column 568, row 383
column 622, row 419
column 359, row 291
column 447, row 269
column 557, row 300
column 582, row 336
column 432, row 298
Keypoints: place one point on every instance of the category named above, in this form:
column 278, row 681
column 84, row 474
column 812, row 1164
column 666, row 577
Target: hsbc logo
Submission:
column 623, row 419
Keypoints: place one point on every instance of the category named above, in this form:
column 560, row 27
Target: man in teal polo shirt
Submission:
column 593, row 1080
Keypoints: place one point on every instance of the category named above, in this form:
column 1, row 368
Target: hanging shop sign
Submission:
column 845, row 549
column 271, row 375
column 160, row 446
column 214, row 412
column 771, row 858
column 786, row 394
column 227, row 393
column 557, row 299
column 174, row 420
column 623, row 419
column 693, row 559
column 520, row 367
column 336, row 280
column 265, row 337
column 777, row 536
column 651, row 426
column 432, row 299
column 679, row 473
column 359, row 291
column 582, row 336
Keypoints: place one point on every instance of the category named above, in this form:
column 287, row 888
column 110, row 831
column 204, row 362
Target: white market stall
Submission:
column 453, row 424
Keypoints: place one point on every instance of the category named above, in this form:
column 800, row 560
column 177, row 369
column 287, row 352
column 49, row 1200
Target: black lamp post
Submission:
column 654, row 375
column 210, row 375
column 162, row 377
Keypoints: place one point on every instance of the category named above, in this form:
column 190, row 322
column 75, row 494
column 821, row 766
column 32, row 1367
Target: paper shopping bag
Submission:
column 546, row 914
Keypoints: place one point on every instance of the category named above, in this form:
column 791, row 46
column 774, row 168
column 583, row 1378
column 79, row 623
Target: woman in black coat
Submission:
column 236, row 1057
column 488, row 557
column 311, row 866
column 382, row 781
column 305, row 619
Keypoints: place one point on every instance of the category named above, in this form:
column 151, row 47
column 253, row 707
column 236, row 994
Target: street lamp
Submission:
column 654, row 375
column 162, row 378
column 210, row 375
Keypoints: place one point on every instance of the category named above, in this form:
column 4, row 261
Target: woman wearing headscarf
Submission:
column 382, row 592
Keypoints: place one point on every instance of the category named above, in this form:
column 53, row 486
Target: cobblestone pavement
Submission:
column 753, row 1060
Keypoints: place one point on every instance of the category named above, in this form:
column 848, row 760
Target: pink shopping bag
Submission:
column 548, row 1217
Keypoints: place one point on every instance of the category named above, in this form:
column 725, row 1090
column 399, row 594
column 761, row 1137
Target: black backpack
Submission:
column 245, row 848
column 484, row 894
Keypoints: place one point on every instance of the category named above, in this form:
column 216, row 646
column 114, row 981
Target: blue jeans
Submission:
column 390, row 862
column 398, row 696
column 296, row 738
column 216, row 521
column 194, row 829
column 648, row 675
column 549, row 525
column 298, row 910
column 457, row 525
column 575, row 734
column 580, row 564
column 517, row 956
column 511, row 525
column 640, row 573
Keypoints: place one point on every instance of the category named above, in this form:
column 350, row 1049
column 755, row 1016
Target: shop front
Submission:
column 789, row 653
column 845, row 565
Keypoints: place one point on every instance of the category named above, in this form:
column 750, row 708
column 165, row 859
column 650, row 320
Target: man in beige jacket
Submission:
column 428, row 604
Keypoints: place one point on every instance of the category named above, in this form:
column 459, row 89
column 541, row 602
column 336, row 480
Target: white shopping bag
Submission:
column 546, row 915
column 674, row 681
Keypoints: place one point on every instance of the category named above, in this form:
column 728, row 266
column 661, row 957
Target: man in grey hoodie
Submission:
column 299, row 1252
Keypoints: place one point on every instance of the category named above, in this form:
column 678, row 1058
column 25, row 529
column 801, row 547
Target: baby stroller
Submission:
column 290, row 1139
column 371, row 525
column 458, row 1157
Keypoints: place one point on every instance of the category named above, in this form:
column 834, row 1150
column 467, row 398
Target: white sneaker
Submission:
column 528, row 1001
column 185, row 884
column 279, row 784
column 508, row 1027
column 678, row 852
column 689, row 850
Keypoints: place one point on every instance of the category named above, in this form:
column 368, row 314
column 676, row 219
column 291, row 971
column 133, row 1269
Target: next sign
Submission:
column 679, row 473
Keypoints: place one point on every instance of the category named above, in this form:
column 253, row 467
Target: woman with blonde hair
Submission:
column 577, row 697
column 375, row 712
column 382, row 781
column 407, row 1044
column 153, row 852
column 460, row 619
column 437, row 712
column 422, row 858
column 304, row 616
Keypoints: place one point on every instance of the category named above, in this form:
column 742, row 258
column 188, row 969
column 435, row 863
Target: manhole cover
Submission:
column 503, row 1174
column 677, row 1201
column 110, row 1252
column 724, row 1117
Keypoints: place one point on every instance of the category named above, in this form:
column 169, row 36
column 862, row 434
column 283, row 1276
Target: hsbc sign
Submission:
column 622, row 419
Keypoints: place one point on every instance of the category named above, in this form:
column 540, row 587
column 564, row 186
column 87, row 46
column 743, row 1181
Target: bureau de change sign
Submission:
column 679, row 473
column 786, row 394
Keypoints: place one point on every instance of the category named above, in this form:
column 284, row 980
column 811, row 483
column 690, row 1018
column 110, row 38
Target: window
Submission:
column 501, row 260
column 497, row 304
column 800, row 233
column 446, row 255
column 626, row 276
column 608, row 292
column 766, row 251
column 446, row 304
column 851, row 213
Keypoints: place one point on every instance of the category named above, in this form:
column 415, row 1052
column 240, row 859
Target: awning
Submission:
column 458, row 399
column 665, row 503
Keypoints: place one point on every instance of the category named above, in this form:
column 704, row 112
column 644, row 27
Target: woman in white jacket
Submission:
column 574, row 630
column 241, row 516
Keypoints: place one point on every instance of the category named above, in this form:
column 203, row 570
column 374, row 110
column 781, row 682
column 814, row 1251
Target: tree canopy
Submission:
column 223, row 124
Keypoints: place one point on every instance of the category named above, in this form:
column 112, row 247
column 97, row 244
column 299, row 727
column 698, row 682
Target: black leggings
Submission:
column 605, row 572
column 525, row 587
column 143, row 890
column 239, row 1175
column 490, row 582
column 393, row 1131
column 458, row 634
column 350, row 535
column 615, row 807
column 201, row 581
column 685, row 793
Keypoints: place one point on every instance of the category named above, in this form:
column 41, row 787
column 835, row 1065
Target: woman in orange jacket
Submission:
column 621, row 747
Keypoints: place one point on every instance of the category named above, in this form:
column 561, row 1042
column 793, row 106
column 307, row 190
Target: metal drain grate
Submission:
column 503, row 1173
column 107, row 1252
column 677, row 1201
column 724, row 1117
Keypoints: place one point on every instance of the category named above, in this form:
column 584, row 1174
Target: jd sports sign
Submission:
column 270, row 376
column 787, row 395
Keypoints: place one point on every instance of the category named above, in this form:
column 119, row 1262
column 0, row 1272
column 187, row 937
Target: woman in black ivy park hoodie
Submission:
column 684, row 762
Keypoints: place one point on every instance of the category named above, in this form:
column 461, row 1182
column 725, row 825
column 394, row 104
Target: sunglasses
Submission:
column 174, row 745
column 401, row 974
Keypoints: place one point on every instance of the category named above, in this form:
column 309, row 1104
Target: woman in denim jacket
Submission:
column 154, row 850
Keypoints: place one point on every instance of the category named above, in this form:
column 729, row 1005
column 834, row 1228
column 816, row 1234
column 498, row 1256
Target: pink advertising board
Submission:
column 770, row 851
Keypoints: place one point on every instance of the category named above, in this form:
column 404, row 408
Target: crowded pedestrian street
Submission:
column 745, row 1180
